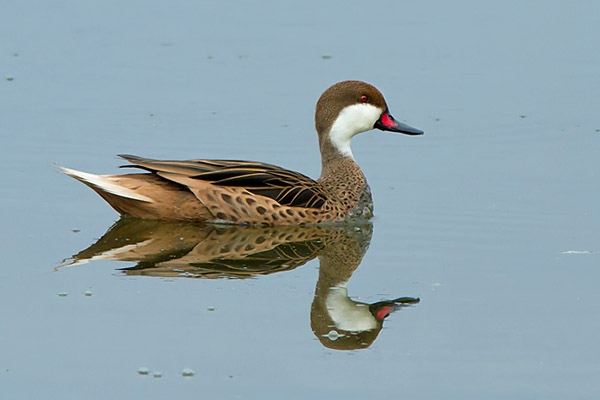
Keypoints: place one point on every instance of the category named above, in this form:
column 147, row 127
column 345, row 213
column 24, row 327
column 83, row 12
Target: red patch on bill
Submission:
column 384, row 312
column 387, row 120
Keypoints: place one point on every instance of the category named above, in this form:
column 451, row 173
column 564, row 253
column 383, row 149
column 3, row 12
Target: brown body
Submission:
column 245, row 192
column 176, row 191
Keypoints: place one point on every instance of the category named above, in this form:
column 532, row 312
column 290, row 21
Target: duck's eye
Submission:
column 364, row 98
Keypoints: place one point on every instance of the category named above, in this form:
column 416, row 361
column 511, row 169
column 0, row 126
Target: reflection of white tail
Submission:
column 116, row 254
column 106, row 183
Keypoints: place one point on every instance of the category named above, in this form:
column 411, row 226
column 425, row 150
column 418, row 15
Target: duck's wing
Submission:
column 286, row 187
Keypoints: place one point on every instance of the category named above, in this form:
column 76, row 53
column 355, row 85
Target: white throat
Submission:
column 351, row 121
column 348, row 315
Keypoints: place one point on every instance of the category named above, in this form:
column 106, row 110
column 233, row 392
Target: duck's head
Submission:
column 351, row 107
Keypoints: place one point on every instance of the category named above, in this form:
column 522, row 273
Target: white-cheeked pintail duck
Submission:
column 247, row 192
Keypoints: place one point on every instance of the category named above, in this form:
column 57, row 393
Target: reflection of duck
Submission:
column 245, row 192
column 183, row 249
column 338, row 321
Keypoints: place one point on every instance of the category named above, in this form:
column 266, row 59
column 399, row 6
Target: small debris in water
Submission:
column 75, row 230
column 62, row 294
column 188, row 275
column 187, row 372
column 333, row 335
column 326, row 57
column 87, row 293
column 10, row 78
column 143, row 371
column 157, row 374
column 523, row 116
column 211, row 308
column 577, row 252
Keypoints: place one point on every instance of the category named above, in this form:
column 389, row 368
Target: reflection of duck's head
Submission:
column 341, row 323
column 338, row 321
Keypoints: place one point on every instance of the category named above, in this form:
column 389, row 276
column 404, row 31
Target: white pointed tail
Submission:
column 107, row 183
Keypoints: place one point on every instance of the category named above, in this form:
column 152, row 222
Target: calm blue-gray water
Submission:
column 491, row 218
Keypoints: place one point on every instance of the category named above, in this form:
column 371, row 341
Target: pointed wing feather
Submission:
column 284, row 186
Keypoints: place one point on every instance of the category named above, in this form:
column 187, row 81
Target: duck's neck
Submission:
column 344, row 180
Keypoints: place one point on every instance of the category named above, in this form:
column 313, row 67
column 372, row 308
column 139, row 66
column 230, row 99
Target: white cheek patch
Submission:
column 347, row 314
column 351, row 121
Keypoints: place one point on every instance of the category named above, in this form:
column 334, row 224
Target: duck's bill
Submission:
column 387, row 123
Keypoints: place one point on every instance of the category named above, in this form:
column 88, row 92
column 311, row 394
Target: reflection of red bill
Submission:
column 384, row 312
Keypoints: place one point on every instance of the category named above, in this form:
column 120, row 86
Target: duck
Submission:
column 257, row 193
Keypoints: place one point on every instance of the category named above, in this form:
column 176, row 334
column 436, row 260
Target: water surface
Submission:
column 490, row 218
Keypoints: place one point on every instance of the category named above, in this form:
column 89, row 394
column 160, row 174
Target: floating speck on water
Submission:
column 325, row 57
column 157, row 374
column 523, row 116
column 437, row 120
column 75, row 230
column 143, row 371
column 210, row 57
column 211, row 308
column 10, row 78
column 15, row 54
column 62, row 294
column 187, row 372
column 152, row 115
column 188, row 275
column 577, row 252
column 333, row 335
column 87, row 293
